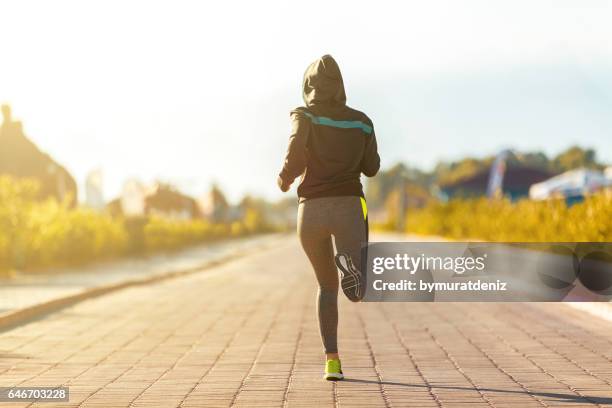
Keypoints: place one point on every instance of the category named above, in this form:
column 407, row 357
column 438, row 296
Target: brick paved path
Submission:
column 244, row 334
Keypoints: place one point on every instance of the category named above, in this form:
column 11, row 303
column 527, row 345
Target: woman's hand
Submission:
column 282, row 185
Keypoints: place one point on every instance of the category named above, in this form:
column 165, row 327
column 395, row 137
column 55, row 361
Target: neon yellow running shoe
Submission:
column 333, row 370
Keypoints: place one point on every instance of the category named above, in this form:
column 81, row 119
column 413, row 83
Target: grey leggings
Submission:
column 319, row 219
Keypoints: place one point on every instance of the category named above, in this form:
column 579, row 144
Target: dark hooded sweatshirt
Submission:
column 331, row 144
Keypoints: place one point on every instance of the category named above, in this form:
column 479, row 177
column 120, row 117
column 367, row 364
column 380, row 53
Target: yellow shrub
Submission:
column 236, row 229
column 56, row 233
column 160, row 234
column 39, row 234
column 36, row 234
column 523, row 221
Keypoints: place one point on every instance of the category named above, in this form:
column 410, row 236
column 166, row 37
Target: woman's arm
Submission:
column 295, row 160
column 371, row 161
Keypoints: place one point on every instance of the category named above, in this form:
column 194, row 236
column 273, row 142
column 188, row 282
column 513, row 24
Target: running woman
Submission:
column 330, row 146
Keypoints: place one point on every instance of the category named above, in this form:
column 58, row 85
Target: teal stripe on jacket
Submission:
column 342, row 124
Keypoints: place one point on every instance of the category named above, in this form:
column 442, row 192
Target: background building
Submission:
column 21, row 158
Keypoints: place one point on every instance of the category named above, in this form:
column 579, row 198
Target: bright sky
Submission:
column 195, row 92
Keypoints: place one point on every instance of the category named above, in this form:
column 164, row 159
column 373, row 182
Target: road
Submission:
column 244, row 333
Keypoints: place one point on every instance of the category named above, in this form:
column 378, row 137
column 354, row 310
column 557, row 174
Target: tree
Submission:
column 575, row 157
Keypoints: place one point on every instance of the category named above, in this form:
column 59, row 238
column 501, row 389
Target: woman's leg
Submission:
column 316, row 241
column 350, row 231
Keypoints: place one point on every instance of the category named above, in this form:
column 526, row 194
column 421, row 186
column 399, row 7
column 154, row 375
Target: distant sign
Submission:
column 496, row 176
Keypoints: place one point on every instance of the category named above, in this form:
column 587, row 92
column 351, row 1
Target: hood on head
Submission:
column 323, row 83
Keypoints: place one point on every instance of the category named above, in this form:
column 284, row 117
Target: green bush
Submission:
column 523, row 221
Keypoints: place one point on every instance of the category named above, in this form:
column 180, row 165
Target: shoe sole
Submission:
column 351, row 278
column 333, row 377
